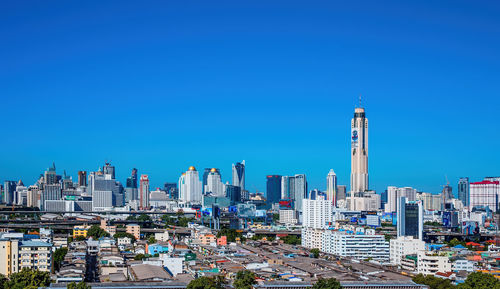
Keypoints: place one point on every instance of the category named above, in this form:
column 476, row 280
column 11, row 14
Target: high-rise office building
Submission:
column 485, row 194
column 190, row 186
column 233, row 193
column 82, row 178
column 463, row 191
column 144, row 192
column 9, row 190
column 214, row 184
column 410, row 218
column 50, row 176
column 287, row 187
column 446, row 195
column 273, row 188
column 359, row 151
column 132, row 180
column 239, row 175
column 394, row 193
column 51, row 192
column 294, row 188
column 341, row 192
column 331, row 187
column 300, row 191
column 109, row 170
column 172, row 190
column 131, row 191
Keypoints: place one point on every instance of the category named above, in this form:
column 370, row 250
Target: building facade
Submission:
column 359, row 151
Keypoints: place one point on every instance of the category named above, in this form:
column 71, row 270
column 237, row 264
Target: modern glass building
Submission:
column 463, row 191
column 273, row 192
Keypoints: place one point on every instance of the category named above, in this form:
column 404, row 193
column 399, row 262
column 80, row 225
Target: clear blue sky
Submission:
column 162, row 85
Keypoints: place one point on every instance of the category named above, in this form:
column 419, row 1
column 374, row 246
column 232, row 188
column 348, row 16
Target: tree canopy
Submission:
column 315, row 252
column 478, row 280
column 80, row 285
column 330, row 283
column 27, row 279
column 205, row 283
column 59, row 257
column 433, row 282
column 124, row 234
column 244, row 280
column 97, row 232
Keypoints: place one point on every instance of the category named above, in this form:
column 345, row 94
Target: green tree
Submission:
column 28, row 279
column 80, row 285
column 244, row 280
column 478, row 280
column 204, row 283
column 3, row 281
column 231, row 234
column 80, row 238
column 291, row 240
column 455, row 242
column 123, row 234
column 131, row 218
column 97, row 232
column 315, row 252
column 59, row 257
column 139, row 257
column 144, row 218
column 151, row 240
column 330, row 283
column 433, row 282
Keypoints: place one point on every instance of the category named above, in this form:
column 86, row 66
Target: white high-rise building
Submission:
column 214, row 184
column 190, row 186
column 485, row 194
column 404, row 245
column 300, row 191
column 359, row 151
column 317, row 214
column 331, row 187
column 394, row 193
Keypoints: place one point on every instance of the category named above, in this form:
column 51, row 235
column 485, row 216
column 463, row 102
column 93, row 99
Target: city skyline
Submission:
column 273, row 85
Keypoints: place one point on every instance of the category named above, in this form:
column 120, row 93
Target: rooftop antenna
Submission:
column 360, row 100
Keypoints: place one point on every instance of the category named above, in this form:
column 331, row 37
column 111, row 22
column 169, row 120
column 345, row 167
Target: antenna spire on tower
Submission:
column 359, row 100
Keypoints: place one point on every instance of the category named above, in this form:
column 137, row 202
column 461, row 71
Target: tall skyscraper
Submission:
column 341, row 192
column 294, row 188
column 214, row 184
column 239, row 175
column 9, row 190
column 273, row 188
column 463, row 191
column 300, row 191
column 359, row 151
column 331, row 187
column 50, row 176
column 131, row 192
column 190, row 186
column 109, row 170
column 206, row 172
column 82, row 178
column 233, row 193
column 485, row 194
column 446, row 195
column 410, row 218
column 144, row 192
column 172, row 190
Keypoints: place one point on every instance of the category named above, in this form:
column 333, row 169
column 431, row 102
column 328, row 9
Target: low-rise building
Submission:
column 402, row 246
column 35, row 255
column 429, row 263
column 135, row 230
column 80, row 231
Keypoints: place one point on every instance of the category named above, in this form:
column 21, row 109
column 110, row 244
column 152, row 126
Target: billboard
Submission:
column 354, row 137
column 286, row 204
